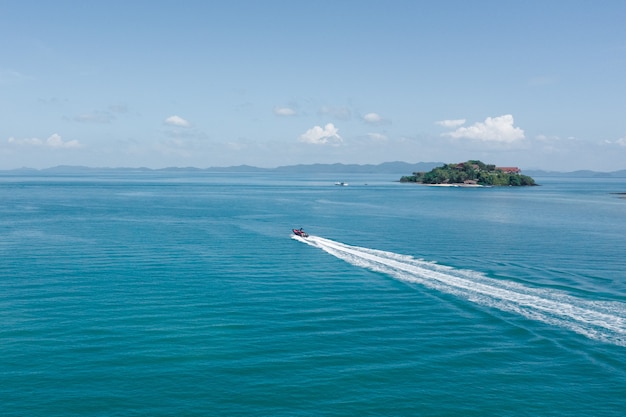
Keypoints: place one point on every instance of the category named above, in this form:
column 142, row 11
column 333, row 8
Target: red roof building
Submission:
column 509, row 170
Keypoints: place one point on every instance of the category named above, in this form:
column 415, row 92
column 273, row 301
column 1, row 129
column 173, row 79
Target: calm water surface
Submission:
column 185, row 294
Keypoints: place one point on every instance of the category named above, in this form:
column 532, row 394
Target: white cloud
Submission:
column 377, row 137
column 493, row 129
column 544, row 138
column 54, row 141
column 284, row 111
column 373, row 118
column 553, row 138
column 177, row 121
column 451, row 123
column 26, row 141
column 321, row 136
column 621, row 141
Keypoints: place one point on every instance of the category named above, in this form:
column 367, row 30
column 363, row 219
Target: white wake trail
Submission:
column 599, row 320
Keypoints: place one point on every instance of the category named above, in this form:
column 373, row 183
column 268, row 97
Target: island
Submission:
column 472, row 173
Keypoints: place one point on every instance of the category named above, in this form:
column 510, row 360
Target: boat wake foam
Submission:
column 599, row 320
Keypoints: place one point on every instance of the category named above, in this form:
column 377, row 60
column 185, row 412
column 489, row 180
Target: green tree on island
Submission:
column 471, row 172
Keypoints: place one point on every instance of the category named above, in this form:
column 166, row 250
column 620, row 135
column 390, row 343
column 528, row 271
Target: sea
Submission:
column 166, row 293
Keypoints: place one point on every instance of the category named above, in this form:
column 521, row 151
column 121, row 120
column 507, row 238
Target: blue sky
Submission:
column 534, row 84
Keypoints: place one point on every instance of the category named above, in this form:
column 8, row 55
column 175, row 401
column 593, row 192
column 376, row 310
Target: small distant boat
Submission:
column 341, row 184
column 300, row 232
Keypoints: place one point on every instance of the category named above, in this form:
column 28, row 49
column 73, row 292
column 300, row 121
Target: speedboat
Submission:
column 300, row 232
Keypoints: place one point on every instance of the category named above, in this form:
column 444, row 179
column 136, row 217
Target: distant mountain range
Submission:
column 577, row 174
column 384, row 168
column 399, row 168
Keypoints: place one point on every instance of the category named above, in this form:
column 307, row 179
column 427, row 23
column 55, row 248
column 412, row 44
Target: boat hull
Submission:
column 300, row 232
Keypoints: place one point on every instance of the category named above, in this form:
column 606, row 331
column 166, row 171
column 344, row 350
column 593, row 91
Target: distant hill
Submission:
column 384, row 168
column 577, row 174
column 402, row 168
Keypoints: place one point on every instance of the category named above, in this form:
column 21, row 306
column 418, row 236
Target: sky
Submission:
column 533, row 84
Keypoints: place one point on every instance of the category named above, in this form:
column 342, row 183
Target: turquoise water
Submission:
column 152, row 294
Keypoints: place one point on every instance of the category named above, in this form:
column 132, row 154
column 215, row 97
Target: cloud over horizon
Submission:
column 53, row 141
column 375, row 119
column 177, row 121
column 322, row 136
column 372, row 118
column 284, row 111
column 493, row 129
column 621, row 141
column 379, row 137
column 451, row 123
